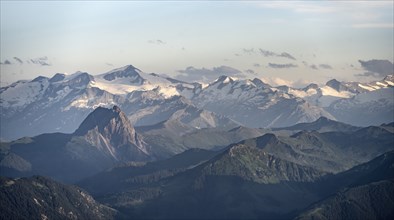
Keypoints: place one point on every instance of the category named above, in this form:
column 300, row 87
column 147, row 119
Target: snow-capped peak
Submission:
column 224, row 79
column 122, row 81
column 129, row 71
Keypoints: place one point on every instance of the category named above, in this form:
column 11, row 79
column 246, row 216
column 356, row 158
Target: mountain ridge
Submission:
column 27, row 104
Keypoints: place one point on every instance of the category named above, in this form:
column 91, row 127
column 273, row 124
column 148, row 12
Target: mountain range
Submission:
column 271, row 173
column 128, row 144
column 106, row 138
column 244, row 181
column 29, row 108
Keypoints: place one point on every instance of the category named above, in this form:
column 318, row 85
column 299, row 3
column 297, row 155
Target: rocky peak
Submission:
column 111, row 131
column 57, row 77
column 39, row 79
column 335, row 84
column 259, row 83
column 80, row 79
column 112, row 124
column 311, row 86
column 128, row 71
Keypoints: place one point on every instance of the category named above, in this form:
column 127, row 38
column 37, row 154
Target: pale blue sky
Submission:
column 166, row 37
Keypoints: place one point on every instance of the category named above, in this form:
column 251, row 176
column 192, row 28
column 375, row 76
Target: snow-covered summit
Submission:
column 124, row 80
column 151, row 98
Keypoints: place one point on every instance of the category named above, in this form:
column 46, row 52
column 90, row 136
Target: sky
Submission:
column 281, row 42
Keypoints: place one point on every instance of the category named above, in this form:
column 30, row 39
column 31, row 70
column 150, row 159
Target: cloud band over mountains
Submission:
column 282, row 66
column 42, row 61
column 268, row 53
column 205, row 74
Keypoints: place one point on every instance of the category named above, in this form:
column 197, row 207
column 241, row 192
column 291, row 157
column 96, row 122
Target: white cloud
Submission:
column 277, row 81
column 357, row 14
column 373, row 25
column 192, row 74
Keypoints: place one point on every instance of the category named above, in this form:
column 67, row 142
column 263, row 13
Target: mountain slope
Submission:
column 255, row 105
column 126, row 177
column 173, row 136
column 365, row 191
column 244, row 182
column 371, row 201
column 241, row 182
column 41, row 198
column 330, row 151
column 321, row 125
column 370, row 108
column 105, row 138
column 32, row 108
column 128, row 78
column 29, row 108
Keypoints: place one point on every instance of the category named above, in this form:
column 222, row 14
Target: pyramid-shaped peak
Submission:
column 335, row 84
column 128, row 71
column 111, row 131
column 260, row 83
column 103, row 117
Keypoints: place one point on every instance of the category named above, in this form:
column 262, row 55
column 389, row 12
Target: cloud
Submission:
column 374, row 25
column 6, row 62
column 286, row 55
column 276, row 81
column 267, row 53
column 248, row 51
column 317, row 67
column 376, row 68
column 157, row 42
column 18, row 60
column 281, row 66
column 355, row 14
column 192, row 74
column 340, row 7
column 43, row 61
column 250, row 71
column 109, row 64
column 325, row 66
column 256, row 65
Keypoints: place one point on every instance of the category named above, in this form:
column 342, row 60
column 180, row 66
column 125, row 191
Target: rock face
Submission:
column 110, row 131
